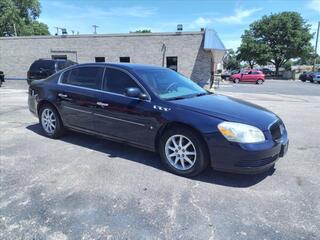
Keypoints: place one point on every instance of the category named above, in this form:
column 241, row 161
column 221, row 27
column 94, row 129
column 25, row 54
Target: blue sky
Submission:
column 229, row 17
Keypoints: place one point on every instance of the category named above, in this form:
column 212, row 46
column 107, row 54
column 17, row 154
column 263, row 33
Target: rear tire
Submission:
column 237, row 80
column 183, row 152
column 50, row 121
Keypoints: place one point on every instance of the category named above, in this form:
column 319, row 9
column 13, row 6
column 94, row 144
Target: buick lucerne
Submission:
column 158, row 109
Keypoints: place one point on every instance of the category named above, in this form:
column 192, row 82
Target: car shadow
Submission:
column 114, row 149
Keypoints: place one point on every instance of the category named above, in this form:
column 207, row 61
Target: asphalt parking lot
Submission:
column 81, row 187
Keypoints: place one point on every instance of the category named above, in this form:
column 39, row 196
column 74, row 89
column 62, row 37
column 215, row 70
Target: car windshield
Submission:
column 169, row 85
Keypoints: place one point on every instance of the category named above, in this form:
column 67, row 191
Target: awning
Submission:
column 212, row 41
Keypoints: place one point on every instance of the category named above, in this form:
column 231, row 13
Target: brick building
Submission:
column 194, row 54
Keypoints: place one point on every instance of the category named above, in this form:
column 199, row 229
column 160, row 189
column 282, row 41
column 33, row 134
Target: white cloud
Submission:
column 200, row 22
column 232, row 43
column 314, row 5
column 239, row 16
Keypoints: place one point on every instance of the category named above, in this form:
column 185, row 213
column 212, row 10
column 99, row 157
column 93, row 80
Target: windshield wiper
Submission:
column 188, row 96
column 177, row 98
column 202, row 94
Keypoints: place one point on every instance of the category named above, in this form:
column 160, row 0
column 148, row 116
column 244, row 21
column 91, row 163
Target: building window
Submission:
column 55, row 57
column 172, row 63
column 100, row 59
column 125, row 59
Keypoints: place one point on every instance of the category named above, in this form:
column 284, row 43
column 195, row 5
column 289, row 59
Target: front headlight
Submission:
column 241, row 133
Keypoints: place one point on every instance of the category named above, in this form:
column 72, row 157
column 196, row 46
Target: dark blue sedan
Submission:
column 160, row 110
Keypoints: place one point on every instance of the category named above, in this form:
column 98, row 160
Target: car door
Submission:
column 78, row 95
column 246, row 77
column 122, row 117
column 255, row 76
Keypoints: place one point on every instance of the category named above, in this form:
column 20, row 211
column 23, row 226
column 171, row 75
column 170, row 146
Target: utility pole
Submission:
column 95, row 29
column 57, row 31
column 316, row 48
column 15, row 30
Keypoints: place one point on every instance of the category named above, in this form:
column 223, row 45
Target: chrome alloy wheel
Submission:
column 48, row 120
column 180, row 152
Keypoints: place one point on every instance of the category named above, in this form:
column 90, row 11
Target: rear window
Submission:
column 61, row 65
column 45, row 64
column 88, row 77
column 64, row 64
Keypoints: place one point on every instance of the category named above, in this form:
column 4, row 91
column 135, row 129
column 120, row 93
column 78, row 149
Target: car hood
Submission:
column 229, row 109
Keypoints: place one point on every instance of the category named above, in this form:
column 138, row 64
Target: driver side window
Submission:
column 117, row 81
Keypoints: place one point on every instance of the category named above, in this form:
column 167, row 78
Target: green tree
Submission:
column 287, row 66
column 230, row 61
column 285, row 35
column 143, row 31
column 252, row 50
column 19, row 17
column 307, row 60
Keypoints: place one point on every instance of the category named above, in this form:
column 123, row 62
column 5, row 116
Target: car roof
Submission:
column 126, row 66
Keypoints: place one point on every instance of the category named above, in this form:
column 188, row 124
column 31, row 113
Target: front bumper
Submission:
column 245, row 158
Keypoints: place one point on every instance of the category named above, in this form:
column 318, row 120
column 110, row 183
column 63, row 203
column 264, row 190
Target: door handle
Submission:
column 62, row 95
column 102, row 104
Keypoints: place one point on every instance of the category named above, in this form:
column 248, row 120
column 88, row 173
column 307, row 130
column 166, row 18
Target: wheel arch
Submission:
column 47, row 102
column 171, row 125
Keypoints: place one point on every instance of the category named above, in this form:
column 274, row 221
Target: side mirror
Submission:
column 136, row 93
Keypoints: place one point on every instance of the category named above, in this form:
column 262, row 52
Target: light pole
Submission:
column 316, row 47
column 95, row 29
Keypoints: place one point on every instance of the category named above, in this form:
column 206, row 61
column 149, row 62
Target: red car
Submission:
column 249, row 76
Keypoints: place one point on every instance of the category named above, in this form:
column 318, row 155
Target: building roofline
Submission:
column 105, row 35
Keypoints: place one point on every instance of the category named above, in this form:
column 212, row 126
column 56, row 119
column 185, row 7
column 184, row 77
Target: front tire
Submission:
column 50, row 121
column 237, row 80
column 183, row 152
column 259, row 81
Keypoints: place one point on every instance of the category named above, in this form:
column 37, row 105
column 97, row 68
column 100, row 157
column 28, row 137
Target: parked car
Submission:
column 158, row 109
column 315, row 76
column 227, row 74
column 267, row 71
column 306, row 76
column 249, row 76
column 44, row 68
column 1, row 78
